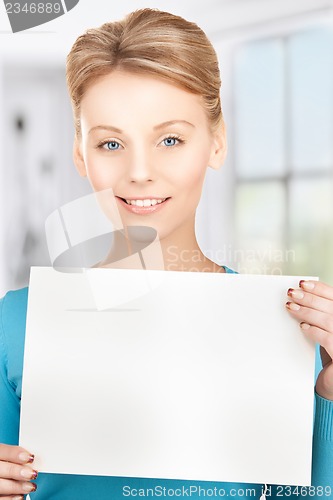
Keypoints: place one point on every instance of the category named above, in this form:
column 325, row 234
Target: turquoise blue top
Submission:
column 13, row 309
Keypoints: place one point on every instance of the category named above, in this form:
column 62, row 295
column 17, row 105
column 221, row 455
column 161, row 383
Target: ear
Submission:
column 78, row 157
column 219, row 148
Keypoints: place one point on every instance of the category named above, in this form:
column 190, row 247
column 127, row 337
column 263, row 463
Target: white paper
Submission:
column 207, row 377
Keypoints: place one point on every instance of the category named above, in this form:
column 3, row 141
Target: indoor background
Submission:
column 268, row 210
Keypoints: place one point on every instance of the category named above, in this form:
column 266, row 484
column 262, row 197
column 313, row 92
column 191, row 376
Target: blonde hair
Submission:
column 147, row 41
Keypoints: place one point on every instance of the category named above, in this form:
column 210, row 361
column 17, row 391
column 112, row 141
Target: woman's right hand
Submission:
column 15, row 472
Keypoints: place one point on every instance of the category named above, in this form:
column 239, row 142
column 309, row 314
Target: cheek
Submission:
column 99, row 173
column 192, row 172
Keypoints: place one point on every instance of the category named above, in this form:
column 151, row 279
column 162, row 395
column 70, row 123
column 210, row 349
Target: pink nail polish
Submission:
column 26, row 457
column 306, row 285
column 293, row 306
column 34, row 474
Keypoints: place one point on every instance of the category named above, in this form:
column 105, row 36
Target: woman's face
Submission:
column 149, row 141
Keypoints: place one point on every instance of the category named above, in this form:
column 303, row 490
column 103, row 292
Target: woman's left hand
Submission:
column 312, row 306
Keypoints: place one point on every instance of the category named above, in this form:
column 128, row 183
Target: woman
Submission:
column 145, row 95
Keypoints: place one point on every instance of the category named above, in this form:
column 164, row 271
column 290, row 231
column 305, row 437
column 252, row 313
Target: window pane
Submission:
column 311, row 99
column 260, row 217
column 259, row 107
column 311, row 227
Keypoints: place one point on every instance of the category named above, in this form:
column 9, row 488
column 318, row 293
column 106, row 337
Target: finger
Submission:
column 310, row 300
column 16, row 497
column 11, row 497
column 15, row 454
column 10, row 487
column 324, row 338
column 318, row 288
column 9, row 470
column 311, row 316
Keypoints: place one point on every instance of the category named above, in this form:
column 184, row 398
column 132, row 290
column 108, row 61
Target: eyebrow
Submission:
column 157, row 127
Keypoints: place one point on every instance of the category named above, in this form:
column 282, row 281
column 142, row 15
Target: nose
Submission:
column 140, row 167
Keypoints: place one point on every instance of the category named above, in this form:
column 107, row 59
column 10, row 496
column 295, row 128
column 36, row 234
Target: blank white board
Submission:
column 206, row 377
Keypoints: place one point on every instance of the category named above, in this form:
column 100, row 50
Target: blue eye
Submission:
column 170, row 141
column 111, row 145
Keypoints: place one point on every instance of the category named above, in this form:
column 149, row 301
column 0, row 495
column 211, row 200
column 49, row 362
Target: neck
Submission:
column 181, row 252
column 176, row 252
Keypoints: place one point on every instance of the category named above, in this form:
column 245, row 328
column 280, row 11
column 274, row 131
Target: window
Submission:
column 284, row 154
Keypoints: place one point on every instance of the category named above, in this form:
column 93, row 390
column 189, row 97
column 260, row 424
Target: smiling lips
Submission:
column 143, row 206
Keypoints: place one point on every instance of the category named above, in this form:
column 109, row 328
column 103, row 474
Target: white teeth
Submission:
column 145, row 203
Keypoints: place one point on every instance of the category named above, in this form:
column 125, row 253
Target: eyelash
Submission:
column 107, row 141
column 174, row 136
column 171, row 136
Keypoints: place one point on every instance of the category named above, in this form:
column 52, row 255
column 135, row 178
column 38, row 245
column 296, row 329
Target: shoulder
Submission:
column 13, row 308
column 13, row 311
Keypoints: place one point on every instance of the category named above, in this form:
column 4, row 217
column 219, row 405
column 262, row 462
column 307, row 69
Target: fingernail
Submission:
column 26, row 457
column 18, row 498
column 293, row 306
column 304, row 326
column 297, row 294
column 29, row 474
column 307, row 285
column 29, row 487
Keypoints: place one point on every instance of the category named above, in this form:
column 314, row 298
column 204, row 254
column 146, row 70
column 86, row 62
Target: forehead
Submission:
column 128, row 96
